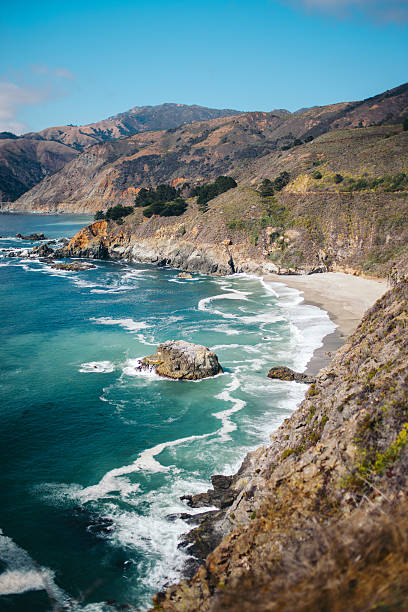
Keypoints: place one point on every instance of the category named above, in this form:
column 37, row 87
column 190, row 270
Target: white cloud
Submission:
column 395, row 11
column 13, row 96
column 20, row 93
column 59, row 72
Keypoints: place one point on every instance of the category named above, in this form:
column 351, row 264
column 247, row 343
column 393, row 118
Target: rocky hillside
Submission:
column 249, row 147
column 358, row 225
column 317, row 520
column 37, row 155
column 24, row 163
column 137, row 119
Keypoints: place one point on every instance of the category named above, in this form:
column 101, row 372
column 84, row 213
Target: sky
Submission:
column 78, row 62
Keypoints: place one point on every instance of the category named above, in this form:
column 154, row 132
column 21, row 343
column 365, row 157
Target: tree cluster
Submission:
column 164, row 201
column 114, row 213
column 208, row 191
column 268, row 187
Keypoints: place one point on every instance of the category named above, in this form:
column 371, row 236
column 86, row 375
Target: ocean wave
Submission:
column 22, row 574
column 128, row 324
column 97, row 366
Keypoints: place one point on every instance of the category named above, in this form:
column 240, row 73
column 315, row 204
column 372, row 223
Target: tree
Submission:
column 338, row 178
column 266, row 189
column 117, row 212
column 99, row 215
column 405, row 124
column 281, row 181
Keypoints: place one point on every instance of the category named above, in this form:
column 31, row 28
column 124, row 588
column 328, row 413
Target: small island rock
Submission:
column 182, row 360
column 184, row 275
column 73, row 266
column 284, row 373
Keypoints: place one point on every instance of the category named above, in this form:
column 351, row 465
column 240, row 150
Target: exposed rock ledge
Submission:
column 317, row 520
column 167, row 246
column 182, row 361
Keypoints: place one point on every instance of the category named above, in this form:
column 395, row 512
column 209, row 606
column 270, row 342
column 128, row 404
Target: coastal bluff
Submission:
column 317, row 519
column 182, row 360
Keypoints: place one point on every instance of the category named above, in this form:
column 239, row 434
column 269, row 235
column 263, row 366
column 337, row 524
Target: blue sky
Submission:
column 79, row 62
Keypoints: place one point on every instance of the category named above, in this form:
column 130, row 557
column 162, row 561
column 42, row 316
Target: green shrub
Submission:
column 281, row 181
column 337, row 178
column 166, row 209
column 209, row 191
column 317, row 175
column 266, row 189
column 162, row 193
column 118, row 212
column 405, row 124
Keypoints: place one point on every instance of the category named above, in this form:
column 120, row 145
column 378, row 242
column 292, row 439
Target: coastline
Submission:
column 344, row 297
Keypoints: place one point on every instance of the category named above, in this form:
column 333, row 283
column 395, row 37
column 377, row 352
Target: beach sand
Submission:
column 344, row 296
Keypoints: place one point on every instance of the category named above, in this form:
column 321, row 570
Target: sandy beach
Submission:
column 344, row 296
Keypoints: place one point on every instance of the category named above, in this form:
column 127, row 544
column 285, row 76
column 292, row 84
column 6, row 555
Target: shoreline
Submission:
column 343, row 296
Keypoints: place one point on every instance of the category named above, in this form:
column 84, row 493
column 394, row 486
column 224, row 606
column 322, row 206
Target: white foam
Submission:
column 97, row 366
column 237, row 404
column 128, row 324
column 22, row 574
column 132, row 368
column 233, row 294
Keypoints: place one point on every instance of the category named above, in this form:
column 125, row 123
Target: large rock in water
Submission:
column 183, row 361
column 284, row 373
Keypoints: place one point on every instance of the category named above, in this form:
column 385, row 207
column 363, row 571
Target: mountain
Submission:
column 40, row 154
column 138, row 119
column 248, row 146
column 24, row 163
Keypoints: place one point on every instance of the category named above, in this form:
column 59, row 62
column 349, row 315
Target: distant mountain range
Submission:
column 247, row 146
column 26, row 160
column 90, row 167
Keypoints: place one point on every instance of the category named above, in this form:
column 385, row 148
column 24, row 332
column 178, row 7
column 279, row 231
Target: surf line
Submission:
column 146, row 461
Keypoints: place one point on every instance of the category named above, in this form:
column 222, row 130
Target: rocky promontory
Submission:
column 182, row 360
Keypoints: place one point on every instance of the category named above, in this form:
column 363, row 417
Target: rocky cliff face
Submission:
column 317, row 520
column 362, row 233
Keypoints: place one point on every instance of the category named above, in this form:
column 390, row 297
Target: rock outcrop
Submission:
column 318, row 519
column 284, row 373
column 182, row 361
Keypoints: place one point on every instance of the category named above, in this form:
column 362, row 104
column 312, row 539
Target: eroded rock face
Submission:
column 183, row 361
column 284, row 373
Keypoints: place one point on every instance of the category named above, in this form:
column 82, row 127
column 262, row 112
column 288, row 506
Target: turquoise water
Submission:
column 94, row 456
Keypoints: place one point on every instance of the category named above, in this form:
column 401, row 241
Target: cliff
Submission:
column 317, row 520
column 363, row 232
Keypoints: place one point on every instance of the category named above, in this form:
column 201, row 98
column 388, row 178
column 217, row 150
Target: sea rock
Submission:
column 32, row 237
column 42, row 251
column 184, row 275
column 284, row 373
column 182, row 360
column 74, row 266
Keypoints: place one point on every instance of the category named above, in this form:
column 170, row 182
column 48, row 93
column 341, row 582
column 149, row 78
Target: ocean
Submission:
column 94, row 455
